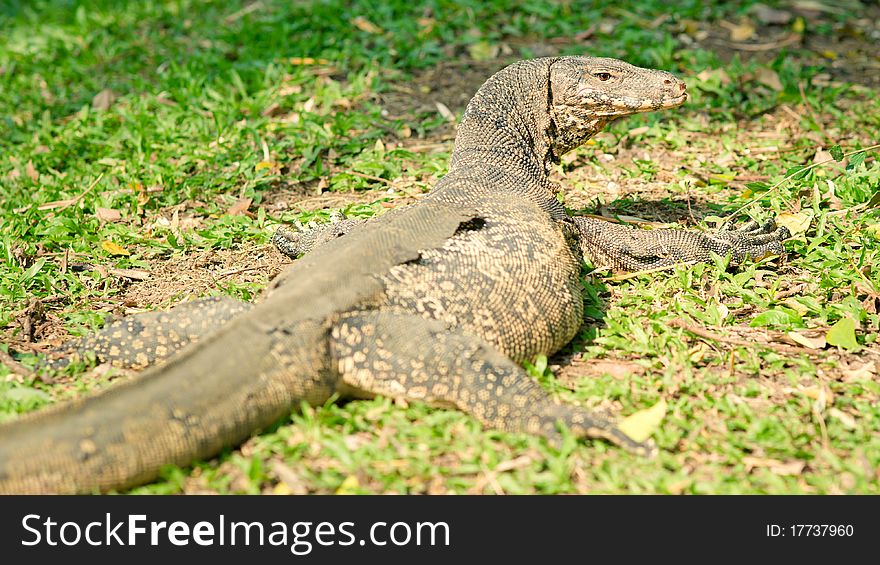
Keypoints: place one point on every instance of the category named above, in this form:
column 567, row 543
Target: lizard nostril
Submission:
column 682, row 86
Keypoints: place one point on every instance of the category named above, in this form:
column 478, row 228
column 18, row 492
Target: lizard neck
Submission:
column 509, row 124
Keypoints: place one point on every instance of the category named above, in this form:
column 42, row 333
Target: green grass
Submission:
column 213, row 103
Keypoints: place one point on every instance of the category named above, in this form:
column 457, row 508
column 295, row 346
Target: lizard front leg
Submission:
column 295, row 243
column 631, row 249
column 404, row 355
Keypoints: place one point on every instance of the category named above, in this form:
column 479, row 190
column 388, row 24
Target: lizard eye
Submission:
column 602, row 76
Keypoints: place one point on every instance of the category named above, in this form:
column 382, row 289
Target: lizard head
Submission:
column 586, row 93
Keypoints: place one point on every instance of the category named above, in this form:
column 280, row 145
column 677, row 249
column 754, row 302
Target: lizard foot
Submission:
column 631, row 249
column 295, row 243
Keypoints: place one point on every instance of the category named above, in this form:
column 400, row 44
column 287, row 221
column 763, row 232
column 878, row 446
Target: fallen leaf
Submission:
column 291, row 480
column 814, row 6
column 281, row 489
column 266, row 165
column 482, row 51
column 307, row 61
column 134, row 274
column 108, row 214
column 615, row 369
column 349, row 485
column 642, row 424
column 822, row 396
column 770, row 16
column 796, row 223
column 719, row 74
column 769, row 78
column 103, row 100
column 240, row 207
column 739, row 32
column 808, row 342
column 843, row 334
column 848, row 421
column 114, row 248
column 366, row 25
column 824, row 156
column 31, row 171
column 866, row 371
column 272, row 109
column 776, row 466
column 445, row 111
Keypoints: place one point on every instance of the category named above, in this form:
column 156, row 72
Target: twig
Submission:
column 788, row 40
column 86, row 191
column 370, row 177
column 706, row 334
column 18, row 368
column 63, row 204
column 794, row 174
column 252, row 7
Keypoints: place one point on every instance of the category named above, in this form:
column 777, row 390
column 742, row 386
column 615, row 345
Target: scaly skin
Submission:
column 437, row 302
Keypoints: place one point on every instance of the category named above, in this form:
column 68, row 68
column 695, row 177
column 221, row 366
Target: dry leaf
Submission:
column 291, row 480
column 739, row 32
column 108, row 214
column 865, row 371
column 771, row 16
column 720, row 74
column 281, row 489
column 307, row 61
column 822, row 156
column 817, row 342
column 769, row 78
column 822, row 396
column 616, row 369
column 366, row 25
column 271, row 165
column 134, row 274
column 272, row 109
column 814, row 6
column 349, row 485
column 114, row 249
column 31, row 171
column 848, row 421
column 642, row 424
column 796, row 223
column 445, row 111
column 776, row 466
column 240, row 207
column 103, row 100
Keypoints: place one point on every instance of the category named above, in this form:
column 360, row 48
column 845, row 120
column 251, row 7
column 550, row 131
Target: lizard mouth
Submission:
column 625, row 106
column 673, row 102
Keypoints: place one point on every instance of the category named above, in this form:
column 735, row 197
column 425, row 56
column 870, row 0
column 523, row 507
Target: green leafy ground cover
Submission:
column 148, row 149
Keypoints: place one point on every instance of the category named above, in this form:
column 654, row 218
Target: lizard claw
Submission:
column 752, row 240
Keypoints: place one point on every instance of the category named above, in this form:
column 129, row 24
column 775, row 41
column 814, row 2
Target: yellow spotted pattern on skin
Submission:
column 437, row 302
